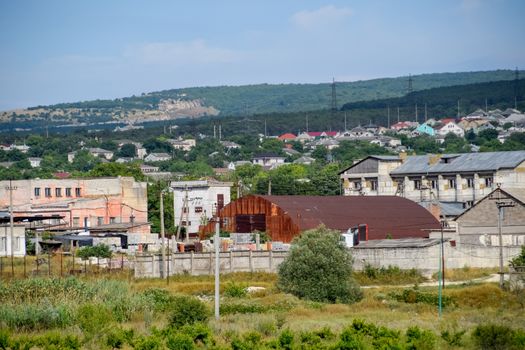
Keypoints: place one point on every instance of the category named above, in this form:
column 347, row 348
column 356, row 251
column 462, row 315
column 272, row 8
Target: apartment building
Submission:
column 83, row 203
column 464, row 178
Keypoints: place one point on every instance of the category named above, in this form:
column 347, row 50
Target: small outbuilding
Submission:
column 284, row 217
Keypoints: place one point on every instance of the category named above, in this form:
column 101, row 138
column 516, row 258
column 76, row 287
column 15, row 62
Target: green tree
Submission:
column 127, row 150
column 319, row 268
column 117, row 169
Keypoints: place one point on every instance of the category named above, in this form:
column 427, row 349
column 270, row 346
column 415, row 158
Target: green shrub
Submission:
column 148, row 343
column 179, row 341
column 34, row 317
column 286, row 339
column 349, row 341
column 453, row 338
column 93, row 318
column 414, row 295
column 187, row 310
column 4, row 339
column 98, row 251
column 492, row 336
column 319, row 268
column 118, row 337
column 160, row 299
column 244, row 307
column 234, row 290
column 418, row 339
column 56, row 341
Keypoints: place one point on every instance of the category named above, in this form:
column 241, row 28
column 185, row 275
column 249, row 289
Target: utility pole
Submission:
column 217, row 266
column 426, row 116
column 458, row 110
column 398, row 114
column 269, row 186
column 345, row 120
column 387, row 117
column 11, row 188
column 306, row 122
column 416, row 114
column 501, row 205
column 163, row 250
column 265, row 129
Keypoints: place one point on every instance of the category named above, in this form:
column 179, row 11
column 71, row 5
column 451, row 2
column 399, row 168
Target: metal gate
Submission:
column 250, row 223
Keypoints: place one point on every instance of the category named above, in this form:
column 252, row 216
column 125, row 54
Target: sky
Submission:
column 66, row 51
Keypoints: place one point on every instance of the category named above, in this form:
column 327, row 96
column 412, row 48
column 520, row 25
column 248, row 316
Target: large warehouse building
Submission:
column 284, row 217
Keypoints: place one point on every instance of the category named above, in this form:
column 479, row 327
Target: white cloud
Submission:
column 322, row 16
column 180, row 53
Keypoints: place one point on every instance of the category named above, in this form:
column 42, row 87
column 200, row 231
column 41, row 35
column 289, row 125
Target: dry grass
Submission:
column 467, row 273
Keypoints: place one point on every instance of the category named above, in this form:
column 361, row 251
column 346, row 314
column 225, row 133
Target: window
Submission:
column 489, row 181
column 198, row 209
column 184, row 223
column 77, row 192
column 47, row 191
column 100, row 220
column 468, row 204
column 76, row 221
column 434, row 184
column 373, row 185
column 112, row 220
column 58, row 192
column 357, row 185
column 37, row 191
column 452, row 183
column 417, row 184
column 470, row 182
column 68, row 191
column 220, row 201
column 185, row 210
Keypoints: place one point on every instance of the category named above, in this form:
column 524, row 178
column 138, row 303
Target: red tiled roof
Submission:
column 319, row 133
column 287, row 136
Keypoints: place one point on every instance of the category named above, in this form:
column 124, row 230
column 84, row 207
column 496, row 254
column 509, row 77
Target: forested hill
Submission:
column 443, row 101
column 267, row 98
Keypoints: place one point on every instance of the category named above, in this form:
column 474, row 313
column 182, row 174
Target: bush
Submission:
column 160, row 299
column 99, row 251
column 94, row 318
column 234, row 290
column 180, row 341
column 187, row 310
column 492, row 336
column 319, row 268
column 413, row 295
column 418, row 339
column 520, row 259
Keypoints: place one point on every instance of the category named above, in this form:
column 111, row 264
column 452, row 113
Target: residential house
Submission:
column 34, row 161
column 157, row 157
column 196, row 202
column 304, row 160
column 101, row 153
column 234, row 165
column 148, row 168
column 181, row 144
column 303, row 137
column 464, row 178
column 122, row 160
column 287, row 137
column 450, row 127
column 404, row 125
column 268, row 160
column 229, row 145
column 425, row 129
column 18, row 243
column 478, row 225
column 81, row 202
column 289, row 151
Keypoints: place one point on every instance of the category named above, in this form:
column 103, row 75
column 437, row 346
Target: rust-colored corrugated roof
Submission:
column 384, row 215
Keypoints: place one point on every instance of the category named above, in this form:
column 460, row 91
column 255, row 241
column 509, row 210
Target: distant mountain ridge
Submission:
column 236, row 100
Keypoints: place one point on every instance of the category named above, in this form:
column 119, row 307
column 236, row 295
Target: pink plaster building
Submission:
column 84, row 203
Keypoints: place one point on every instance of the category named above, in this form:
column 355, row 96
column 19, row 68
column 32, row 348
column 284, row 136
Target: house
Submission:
column 450, row 127
column 285, row 217
column 101, row 153
column 305, row 160
column 81, row 202
column 15, row 243
column 479, row 225
column 463, row 178
column 404, row 125
column 234, row 165
column 146, row 169
column 34, row 161
column 425, row 129
column 329, row 144
column 322, row 134
column 290, row 151
column 196, row 202
column 181, row 144
column 303, row 137
column 287, row 137
column 229, row 145
column 268, row 160
column 157, row 157
column 122, row 160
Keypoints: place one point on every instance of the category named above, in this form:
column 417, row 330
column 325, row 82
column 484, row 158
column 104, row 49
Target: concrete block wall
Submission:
column 204, row 263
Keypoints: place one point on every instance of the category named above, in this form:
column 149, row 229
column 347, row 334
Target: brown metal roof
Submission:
column 384, row 215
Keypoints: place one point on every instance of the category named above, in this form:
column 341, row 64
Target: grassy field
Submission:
column 112, row 311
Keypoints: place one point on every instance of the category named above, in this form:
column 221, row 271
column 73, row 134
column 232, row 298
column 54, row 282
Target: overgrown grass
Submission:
column 467, row 273
column 391, row 275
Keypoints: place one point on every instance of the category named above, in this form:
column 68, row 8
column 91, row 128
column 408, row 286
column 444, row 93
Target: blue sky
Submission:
column 63, row 51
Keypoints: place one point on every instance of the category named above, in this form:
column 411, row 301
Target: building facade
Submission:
column 15, row 243
column 82, row 203
column 196, row 202
column 464, row 178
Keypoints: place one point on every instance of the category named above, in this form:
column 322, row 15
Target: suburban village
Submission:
column 396, row 210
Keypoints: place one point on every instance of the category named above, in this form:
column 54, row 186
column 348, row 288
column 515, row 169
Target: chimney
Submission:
column 433, row 159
